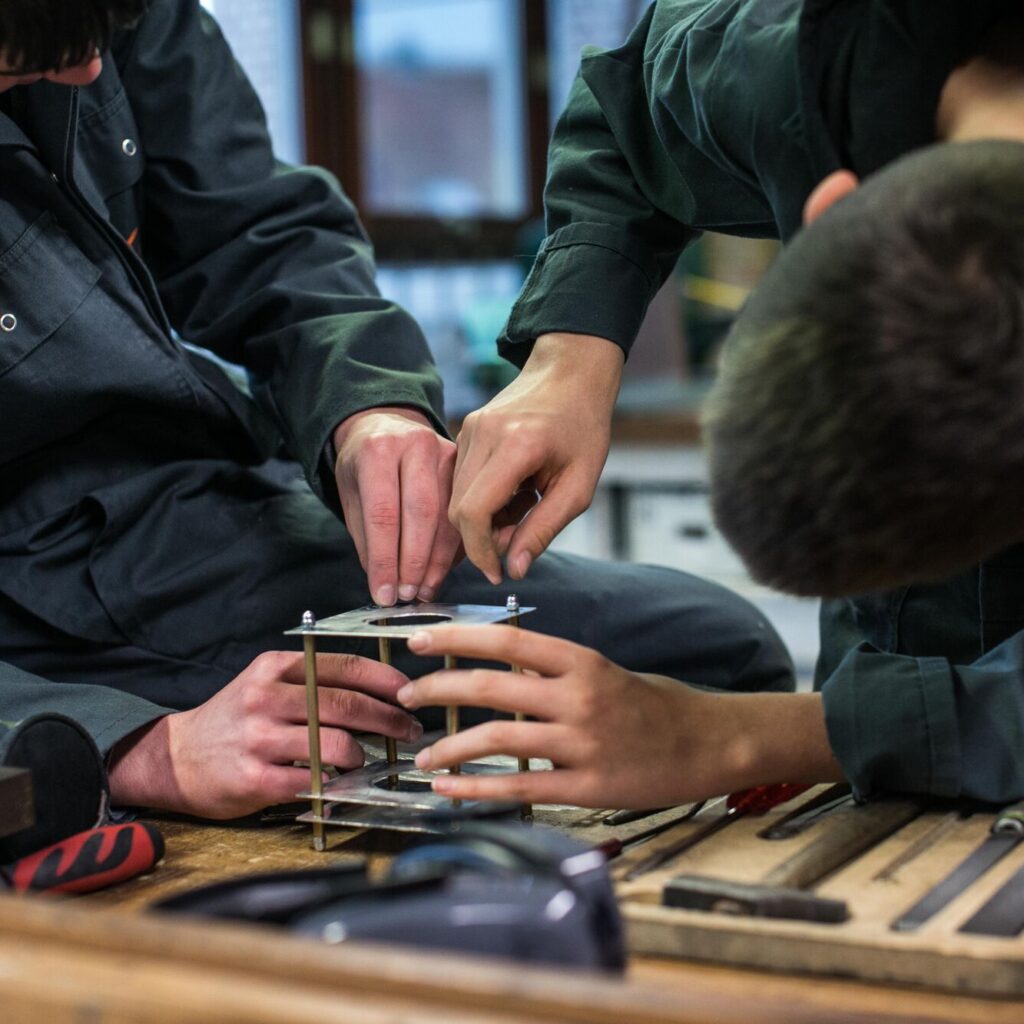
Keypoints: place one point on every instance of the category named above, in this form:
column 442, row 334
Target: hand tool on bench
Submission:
column 918, row 846
column 87, row 861
column 834, row 798
column 781, row 893
column 1007, row 831
column 611, row 848
column 1003, row 914
column 758, row 800
column 627, row 816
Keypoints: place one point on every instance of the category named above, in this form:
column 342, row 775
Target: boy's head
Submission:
column 867, row 426
column 57, row 38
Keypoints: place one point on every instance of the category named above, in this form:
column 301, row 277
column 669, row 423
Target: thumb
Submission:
column 558, row 507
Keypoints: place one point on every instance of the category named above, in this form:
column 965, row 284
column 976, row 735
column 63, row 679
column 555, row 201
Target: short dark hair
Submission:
column 867, row 425
column 41, row 35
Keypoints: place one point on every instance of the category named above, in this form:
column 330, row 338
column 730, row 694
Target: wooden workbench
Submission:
column 103, row 960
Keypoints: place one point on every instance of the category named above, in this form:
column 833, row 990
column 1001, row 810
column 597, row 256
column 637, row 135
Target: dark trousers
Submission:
column 168, row 587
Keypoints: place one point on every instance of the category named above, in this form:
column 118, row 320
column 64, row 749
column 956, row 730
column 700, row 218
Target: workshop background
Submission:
column 435, row 115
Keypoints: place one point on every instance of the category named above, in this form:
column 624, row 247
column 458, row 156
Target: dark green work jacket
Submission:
column 141, row 210
column 723, row 116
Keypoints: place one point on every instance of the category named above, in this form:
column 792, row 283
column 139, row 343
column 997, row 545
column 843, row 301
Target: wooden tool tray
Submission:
column 864, row 947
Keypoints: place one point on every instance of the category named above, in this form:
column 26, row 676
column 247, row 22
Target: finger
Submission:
column 518, row 508
column 489, row 492
column 351, row 710
column 487, row 688
column 561, row 786
column 517, row 739
column 352, row 513
column 546, row 655
column 344, row 670
column 562, row 501
column 420, row 509
column 337, row 747
column 509, row 518
column 379, row 499
column 447, row 552
column 273, row 784
column 447, row 547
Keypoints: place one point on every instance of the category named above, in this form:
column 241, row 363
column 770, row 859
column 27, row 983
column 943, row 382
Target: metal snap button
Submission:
column 129, row 148
column 8, row 322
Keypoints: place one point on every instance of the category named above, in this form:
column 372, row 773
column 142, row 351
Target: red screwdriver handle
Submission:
column 761, row 799
column 90, row 860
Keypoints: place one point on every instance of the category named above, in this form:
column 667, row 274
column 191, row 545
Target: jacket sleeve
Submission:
column 925, row 724
column 108, row 715
column 263, row 264
column 634, row 176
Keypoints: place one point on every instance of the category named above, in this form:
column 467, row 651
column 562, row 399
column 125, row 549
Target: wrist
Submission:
column 775, row 737
column 594, row 363
column 347, row 425
column 141, row 768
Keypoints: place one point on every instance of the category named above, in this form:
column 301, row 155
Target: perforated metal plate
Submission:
column 404, row 620
column 368, row 786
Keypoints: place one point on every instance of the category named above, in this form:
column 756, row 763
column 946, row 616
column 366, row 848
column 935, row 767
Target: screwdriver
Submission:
column 87, row 861
column 758, row 800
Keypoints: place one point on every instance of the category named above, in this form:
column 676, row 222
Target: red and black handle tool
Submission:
column 89, row 860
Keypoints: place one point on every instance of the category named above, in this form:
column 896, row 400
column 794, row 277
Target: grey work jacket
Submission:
column 140, row 210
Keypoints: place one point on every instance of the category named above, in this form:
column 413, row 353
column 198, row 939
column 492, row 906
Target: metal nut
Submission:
column 8, row 322
column 129, row 148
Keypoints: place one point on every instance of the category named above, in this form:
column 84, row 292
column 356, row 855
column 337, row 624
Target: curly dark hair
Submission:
column 45, row 35
column 867, row 425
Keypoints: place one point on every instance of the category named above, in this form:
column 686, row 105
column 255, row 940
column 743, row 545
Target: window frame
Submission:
column 332, row 123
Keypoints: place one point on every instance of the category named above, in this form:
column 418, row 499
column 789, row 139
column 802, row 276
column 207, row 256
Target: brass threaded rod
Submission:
column 390, row 744
column 523, row 762
column 316, row 782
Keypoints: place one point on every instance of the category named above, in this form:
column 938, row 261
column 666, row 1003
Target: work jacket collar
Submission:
column 50, row 112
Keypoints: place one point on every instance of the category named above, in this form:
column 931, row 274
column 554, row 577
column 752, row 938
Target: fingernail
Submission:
column 386, row 596
column 415, row 732
column 423, row 758
column 407, row 592
column 426, row 594
column 522, row 565
column 419, row 641
column 444, row 784
column 405, row 694
column 494, row 578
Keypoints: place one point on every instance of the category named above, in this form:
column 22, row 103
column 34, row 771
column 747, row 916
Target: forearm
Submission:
column 776, row 737
column 754, row 739
column 594, row 364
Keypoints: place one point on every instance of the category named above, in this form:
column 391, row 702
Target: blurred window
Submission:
column 264, row 35
column 573, row 24
column 441, row 107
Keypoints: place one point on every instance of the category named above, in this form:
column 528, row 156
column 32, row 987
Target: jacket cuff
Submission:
column 891, row 723
column 586, row 280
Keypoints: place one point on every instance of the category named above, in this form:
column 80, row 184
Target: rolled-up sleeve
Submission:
column 925, row 725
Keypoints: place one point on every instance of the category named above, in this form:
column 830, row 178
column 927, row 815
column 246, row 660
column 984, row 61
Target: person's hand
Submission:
column 548, row 431
column 394, row 474
column 616, row 738
column 235, row 753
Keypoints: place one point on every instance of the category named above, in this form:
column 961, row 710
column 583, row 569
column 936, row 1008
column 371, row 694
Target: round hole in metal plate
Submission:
column 411, row 619
column 403, row 784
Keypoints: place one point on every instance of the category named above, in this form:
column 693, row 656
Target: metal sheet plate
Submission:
column 404, row 620
column 368, row 786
